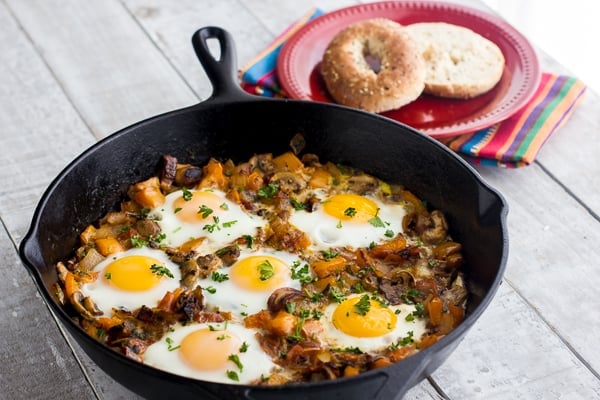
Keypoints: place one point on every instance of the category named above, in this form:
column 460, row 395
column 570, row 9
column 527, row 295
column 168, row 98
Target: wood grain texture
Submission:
column 72, row 72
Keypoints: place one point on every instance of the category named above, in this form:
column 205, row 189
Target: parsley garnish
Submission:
column 297, row 205
column 170, row 346
column 376, row 221
column 233, row 375
column 363, row 306
column 205, row 211
column 266, row 270
column 350, row 212
column 187, row 195
column 354, row 350
column 210, row 289
column 229, row 224
column 224, row 207
column 223, row 337
column 336, row 294
column 219, row 277
column 316, row 314
column 408, row 339
column 236, row 360
column 410, row 297
column 211, row 227
column 244, row 347
column 177, row 210
column 290, row 307
column 314, row 297
column 161, row 270
column 301, row 273
column 329, row 254
column 137, row 241
column 108, row 275
column 249, row 240
column 389, row 233
column 268, row 191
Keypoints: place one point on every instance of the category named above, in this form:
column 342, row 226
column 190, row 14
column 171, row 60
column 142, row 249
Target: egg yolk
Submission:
column 195, row 207
column 259, row 273
column 350, row 207
column 358, row 322
column 208, row 350
column 134, row 273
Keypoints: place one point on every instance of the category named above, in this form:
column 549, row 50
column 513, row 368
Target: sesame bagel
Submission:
column 352, row 81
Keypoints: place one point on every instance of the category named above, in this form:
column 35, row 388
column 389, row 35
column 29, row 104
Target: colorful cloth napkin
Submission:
column 514, row 142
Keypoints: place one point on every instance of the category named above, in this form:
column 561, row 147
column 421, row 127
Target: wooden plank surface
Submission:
column 77, row 71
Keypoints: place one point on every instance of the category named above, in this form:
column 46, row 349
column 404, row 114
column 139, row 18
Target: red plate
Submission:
column 299, row 61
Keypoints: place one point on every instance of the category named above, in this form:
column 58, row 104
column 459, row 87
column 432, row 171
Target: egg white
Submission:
column 107, row 296
column 335, row 338
column 240, row 301
column 233, row 222
column 255, row 362
column 326, row 231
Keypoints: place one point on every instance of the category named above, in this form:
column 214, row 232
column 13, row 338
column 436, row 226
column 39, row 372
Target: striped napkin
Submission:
column 514, row 142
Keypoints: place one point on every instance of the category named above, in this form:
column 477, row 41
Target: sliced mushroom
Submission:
column 264, row 162
column 78, row 301
column 62, row 271
column 229, row 254
column 59, row 294
column 363, row 184
column 288, row 182
column 147, row 228
column 187, row 175
column 208, row 264
column 190, row 272
column 439, row 231
column 457, row 294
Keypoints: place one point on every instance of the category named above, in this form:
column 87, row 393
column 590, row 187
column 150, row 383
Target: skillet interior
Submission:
column 224, row 128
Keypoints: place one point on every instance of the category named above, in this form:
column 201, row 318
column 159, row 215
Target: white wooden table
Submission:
column 72, row 72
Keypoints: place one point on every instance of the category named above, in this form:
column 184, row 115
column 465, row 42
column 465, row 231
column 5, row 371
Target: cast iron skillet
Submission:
column 233, row 124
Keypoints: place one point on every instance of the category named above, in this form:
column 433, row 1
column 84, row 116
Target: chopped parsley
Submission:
column 210, row 289
column 266, row 270
column 137, row 241
column 298, row 206
column 177, row 210
column 233, row 375
column 329, row 254
column 244, row 347
column 186, row 194
column 108, row 275
column 229, row 224
column 350, row 212
column 268, row 191
column 249, row 240
column 363, row 306
column 236, row 360
column 389, row 233
column 211, row 227
column 170, row 343
column 161, row 270
column 224, row 207
column 290, row 307
column 336, row 294
column 405, row 341
column 219, row 277
column 302, row 273
column 205, row 211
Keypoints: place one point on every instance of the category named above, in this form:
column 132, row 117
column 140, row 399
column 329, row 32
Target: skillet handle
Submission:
column 222, row 72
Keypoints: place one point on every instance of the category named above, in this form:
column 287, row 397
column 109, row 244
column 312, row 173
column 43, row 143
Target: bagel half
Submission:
column 460, row 63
